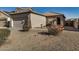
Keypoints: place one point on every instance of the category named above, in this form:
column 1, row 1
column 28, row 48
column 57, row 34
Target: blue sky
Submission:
column 69, row 12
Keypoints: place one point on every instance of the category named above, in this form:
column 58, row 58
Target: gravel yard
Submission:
column 37, row 40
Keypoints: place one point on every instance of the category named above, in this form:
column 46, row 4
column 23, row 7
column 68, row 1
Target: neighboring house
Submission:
column 3, row 17
column 73, row 22
column 76, row 23
column 69, row 22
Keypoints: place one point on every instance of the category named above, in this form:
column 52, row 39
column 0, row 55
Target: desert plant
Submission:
column 54, row 29
column 4, row 33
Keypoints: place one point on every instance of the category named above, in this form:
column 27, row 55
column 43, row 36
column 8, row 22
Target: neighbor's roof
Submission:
column 6, row 15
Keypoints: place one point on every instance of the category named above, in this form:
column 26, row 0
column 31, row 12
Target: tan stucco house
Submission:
column 33, row 19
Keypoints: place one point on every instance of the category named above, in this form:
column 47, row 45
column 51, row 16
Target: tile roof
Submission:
column 52, row 14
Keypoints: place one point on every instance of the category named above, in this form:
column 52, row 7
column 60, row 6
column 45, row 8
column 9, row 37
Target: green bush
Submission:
column 4, row 33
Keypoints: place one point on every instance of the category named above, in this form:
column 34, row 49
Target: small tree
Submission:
column 26, row 27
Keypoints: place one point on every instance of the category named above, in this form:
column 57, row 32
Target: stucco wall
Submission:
column 37, row 20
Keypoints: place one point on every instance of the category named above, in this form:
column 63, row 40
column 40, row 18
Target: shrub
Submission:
column 4, row 33
column 54, row 29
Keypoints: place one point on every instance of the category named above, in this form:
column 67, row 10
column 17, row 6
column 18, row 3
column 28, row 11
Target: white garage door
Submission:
column 18, row 25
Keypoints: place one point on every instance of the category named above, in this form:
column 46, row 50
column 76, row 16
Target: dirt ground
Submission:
column 38, row 40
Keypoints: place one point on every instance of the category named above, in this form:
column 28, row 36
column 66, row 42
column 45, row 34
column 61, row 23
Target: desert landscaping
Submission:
column 39, row 40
